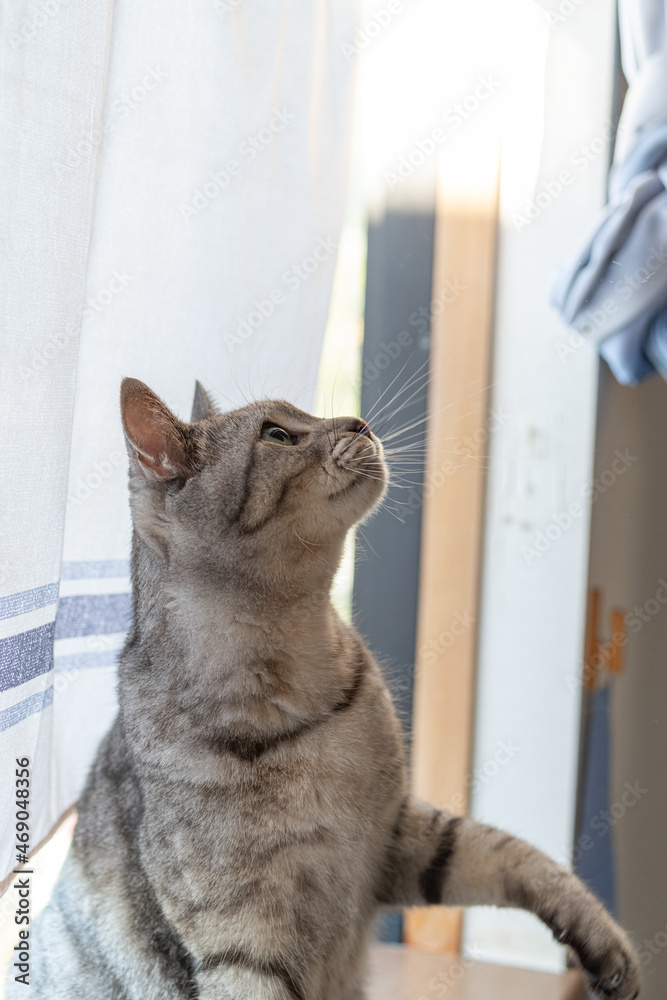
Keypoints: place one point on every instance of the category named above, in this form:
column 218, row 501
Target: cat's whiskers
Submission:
column 361, row 472
column 407, row 385
column 331, row 446
column 417, row 422
column 386, row 390
column 307, row 544
column 393, row 514
column 403, row 404
column 419, row 379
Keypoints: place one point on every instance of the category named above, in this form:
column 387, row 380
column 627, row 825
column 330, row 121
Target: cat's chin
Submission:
column 358, row 499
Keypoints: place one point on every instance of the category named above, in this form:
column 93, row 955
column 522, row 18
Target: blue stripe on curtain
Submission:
column 93, row 614
column 28, row 600
column 86, row 661
column 25, row 656
column 94, row 569
column 29, row 654
column 30, row 706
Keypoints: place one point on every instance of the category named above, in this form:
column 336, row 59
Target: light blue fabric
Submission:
column 614, row 289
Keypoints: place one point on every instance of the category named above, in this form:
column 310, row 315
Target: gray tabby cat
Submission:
column 248, row 814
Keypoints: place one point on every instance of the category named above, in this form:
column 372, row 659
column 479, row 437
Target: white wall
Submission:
column 558, row 100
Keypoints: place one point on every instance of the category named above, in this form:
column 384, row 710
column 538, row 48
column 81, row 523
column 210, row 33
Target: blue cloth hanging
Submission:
column 614, row 290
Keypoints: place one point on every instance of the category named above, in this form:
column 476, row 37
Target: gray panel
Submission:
column 396, row 346
column 396, row 350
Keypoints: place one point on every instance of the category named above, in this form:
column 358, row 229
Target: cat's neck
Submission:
column 273, row 649
column 279, row 594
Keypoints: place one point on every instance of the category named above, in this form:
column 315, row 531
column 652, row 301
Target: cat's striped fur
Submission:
column 248, row 814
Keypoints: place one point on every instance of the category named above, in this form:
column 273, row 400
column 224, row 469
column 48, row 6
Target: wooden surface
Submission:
column 405, row 974
column 459, row 431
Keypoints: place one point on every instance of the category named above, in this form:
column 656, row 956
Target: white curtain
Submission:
column 173, row 178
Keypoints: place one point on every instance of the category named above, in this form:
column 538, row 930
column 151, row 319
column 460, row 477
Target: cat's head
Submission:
column 265, row 482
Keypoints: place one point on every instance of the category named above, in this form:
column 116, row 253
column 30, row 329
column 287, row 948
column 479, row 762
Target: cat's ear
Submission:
column 201, row 405
column 161, row 444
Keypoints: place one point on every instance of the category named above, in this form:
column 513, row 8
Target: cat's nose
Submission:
column 363, row 428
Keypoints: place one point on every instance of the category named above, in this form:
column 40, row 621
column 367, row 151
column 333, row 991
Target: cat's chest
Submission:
column 332, row 784
column 283, row 790
column 265, row 830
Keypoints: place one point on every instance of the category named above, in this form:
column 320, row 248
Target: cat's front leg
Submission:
column 438, row 858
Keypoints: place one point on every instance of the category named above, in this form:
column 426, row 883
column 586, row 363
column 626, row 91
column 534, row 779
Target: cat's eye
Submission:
column 276, row 435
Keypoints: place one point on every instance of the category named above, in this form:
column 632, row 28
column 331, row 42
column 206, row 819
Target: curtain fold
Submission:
column 614, row 289
column 52, row 82
column 214, row 137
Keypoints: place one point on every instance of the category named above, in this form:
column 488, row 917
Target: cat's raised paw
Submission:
column 619, row 977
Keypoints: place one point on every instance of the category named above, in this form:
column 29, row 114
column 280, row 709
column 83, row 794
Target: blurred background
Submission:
column 364, row 209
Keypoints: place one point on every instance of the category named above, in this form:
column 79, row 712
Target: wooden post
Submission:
column 459, row 430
